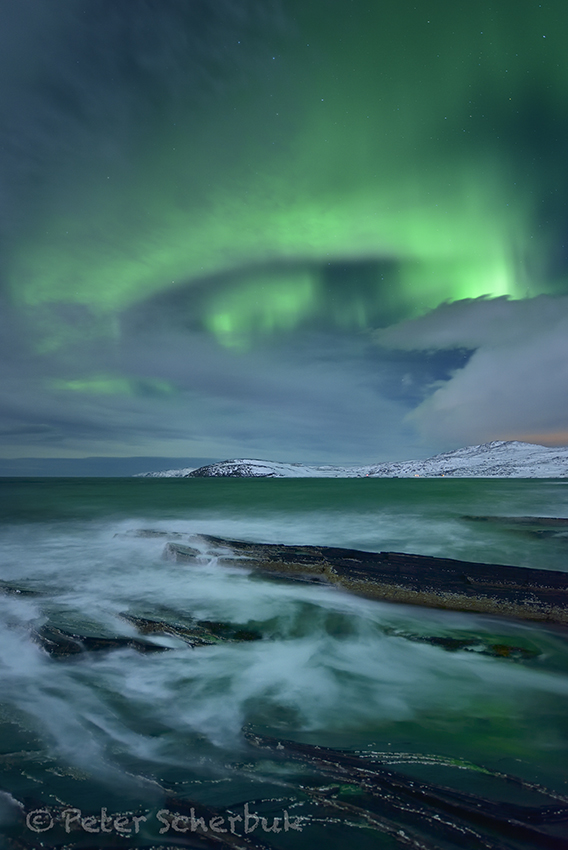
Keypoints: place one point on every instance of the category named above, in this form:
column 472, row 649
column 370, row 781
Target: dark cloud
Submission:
column 309, row 396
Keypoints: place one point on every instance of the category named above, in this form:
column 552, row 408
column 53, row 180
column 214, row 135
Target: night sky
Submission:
column 328, row 231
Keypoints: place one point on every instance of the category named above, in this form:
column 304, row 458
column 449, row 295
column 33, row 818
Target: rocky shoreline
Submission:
column 519, row 592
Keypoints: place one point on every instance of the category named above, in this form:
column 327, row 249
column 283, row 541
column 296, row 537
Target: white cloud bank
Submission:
column 515, row 385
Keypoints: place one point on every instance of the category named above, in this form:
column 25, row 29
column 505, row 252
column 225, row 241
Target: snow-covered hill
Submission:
column 169, row 473
column 498, row 459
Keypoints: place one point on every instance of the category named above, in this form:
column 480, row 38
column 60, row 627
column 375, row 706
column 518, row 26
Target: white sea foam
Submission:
column 327, row 660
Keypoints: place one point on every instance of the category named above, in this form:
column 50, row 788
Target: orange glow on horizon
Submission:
column 554, row 440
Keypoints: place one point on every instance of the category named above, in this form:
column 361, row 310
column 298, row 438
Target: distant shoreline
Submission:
column 497, row 459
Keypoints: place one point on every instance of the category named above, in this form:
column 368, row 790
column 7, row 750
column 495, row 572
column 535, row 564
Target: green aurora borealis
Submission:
column 400, row 139
column 342, row 166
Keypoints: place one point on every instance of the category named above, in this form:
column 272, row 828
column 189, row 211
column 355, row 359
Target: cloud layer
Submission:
column 227, row 228
column 514, row 386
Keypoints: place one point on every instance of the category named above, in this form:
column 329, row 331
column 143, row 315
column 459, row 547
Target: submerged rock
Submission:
column 548, row 521
column 151, row 532
column 419, row 814
column 201, row 633
column 13, row 590
column 62, row 644
column 520, row 592
column 480, row 645
column 541, row 527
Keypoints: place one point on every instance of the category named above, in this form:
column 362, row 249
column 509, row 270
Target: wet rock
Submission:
column 201, row 633
column 541, row 528
column 548, row 521
column 10, row 589
column 229, row 631
column 402, row 806
column 62, row 644
column 194, row 636
column 519, row 592
column 471, row 644
column 150, row 532
column 179, row 552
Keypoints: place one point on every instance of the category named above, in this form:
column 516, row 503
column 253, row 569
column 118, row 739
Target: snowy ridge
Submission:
column 498, row 459
column 167, row 473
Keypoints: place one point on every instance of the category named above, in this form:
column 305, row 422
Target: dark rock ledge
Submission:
column 519, row 592
column 60, row 643
column 341, row 792
column 416, row 814
column 63, row 644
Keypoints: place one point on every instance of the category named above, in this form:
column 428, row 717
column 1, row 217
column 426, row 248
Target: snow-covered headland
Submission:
column 498, row 459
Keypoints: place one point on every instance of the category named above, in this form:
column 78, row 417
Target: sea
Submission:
column 186, row 745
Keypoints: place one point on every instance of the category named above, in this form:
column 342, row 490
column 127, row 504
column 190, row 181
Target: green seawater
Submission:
column 140, row 733
column 424, row 516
